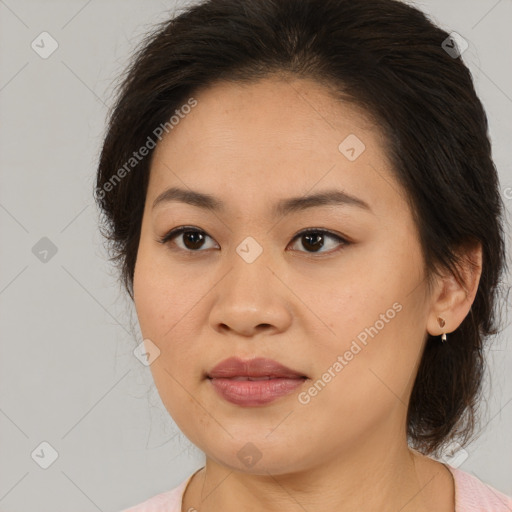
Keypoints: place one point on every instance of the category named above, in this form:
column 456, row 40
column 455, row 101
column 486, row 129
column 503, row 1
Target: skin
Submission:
column 250, row 145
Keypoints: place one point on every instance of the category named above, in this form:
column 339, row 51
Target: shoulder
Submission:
column 169, row 501
column 473, row 495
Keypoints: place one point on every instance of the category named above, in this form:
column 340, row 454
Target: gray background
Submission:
column 67, row 372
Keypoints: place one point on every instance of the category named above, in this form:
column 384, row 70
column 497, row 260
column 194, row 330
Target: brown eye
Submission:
column 192, row 239
column 314, row 239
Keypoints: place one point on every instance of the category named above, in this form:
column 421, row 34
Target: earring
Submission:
column 441, row 324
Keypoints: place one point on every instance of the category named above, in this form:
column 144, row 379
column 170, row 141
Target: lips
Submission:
column 255, row 382
column 259, row 368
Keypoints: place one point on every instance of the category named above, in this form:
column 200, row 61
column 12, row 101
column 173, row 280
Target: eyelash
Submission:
column 173, row 233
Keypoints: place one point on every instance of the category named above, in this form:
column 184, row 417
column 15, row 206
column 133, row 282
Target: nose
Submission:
column 251, row 300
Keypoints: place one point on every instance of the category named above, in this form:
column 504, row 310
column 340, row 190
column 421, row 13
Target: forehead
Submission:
column 274, row 137
column 295, row 110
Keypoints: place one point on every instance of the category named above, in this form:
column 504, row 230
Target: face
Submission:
column 344, row 306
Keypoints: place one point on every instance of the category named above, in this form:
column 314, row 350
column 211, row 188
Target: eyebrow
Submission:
column 282, row 207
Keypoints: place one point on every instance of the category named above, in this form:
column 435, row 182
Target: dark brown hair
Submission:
column 384, row 56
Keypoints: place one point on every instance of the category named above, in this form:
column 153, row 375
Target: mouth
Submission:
column 267, row 377
column 253, row 369
column 246, row 392
column 255, row 382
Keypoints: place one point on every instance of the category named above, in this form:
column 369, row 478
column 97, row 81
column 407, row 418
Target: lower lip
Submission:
column 254, row 392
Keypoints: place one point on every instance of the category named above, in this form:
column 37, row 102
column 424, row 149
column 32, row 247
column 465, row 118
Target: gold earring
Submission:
column 441, row 324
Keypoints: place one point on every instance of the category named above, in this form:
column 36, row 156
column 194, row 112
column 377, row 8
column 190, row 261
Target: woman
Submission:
column 304, row 208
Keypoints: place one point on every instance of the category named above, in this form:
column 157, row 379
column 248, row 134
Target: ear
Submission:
column 451, row 299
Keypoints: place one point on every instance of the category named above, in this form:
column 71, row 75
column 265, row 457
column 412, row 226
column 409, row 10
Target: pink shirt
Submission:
column 471, row 495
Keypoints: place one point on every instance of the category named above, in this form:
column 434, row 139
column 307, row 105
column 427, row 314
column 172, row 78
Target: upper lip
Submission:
column 257, row 367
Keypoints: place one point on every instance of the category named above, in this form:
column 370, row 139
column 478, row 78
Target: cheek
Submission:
column 168, row 308
column 166, row 317
column 379, row 362
column 147, row 291
column 377, row 328
column 159, row 295
column 372, row 378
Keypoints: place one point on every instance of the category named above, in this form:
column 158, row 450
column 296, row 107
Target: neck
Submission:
column 373, row 476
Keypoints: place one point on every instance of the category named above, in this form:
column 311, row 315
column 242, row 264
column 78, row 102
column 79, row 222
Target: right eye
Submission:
column 192, row 239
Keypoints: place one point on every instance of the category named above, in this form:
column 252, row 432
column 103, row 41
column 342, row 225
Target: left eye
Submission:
column 193, row 239
column 314, row 238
